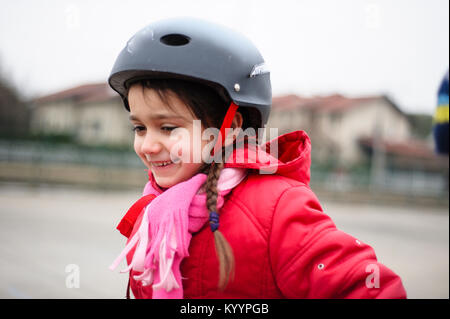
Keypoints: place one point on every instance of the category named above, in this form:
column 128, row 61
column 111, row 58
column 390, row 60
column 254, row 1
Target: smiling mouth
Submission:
column 161, row 164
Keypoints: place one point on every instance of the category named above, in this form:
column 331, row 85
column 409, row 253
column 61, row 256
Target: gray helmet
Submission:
column 196, row 50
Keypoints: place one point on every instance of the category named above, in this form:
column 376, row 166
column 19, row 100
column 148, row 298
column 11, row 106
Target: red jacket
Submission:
column 284, row 245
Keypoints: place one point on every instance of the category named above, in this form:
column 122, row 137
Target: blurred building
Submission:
column 91, row 113
column 363, row 141
column 337, row 124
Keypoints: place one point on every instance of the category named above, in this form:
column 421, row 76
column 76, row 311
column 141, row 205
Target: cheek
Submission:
column 180, row 148
column 138, row 149
column 137, row 146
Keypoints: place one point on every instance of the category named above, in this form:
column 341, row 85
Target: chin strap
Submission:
column 225, row 124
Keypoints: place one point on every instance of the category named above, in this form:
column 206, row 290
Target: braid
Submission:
column 223, row 248
column 211, row 186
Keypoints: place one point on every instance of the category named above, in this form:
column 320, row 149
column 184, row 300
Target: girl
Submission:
column 240, row 222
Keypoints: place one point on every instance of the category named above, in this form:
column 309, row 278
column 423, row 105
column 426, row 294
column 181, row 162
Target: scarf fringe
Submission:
column 163, row 237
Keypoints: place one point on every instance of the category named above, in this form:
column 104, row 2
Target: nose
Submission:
column 151, row 145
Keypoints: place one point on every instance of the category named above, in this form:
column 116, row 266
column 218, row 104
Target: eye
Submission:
column 168, row 128
column 138, row 128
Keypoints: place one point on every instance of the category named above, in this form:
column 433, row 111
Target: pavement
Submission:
column 57, row 242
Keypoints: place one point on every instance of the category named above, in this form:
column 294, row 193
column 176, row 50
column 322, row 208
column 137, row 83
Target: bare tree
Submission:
column 14, row 113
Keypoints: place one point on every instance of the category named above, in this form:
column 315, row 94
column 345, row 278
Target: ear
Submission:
column 235, row 124
column 237, row 120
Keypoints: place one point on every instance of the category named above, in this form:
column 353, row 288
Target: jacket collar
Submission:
column 287, row 155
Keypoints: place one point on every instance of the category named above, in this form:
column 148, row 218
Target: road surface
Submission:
column 59, row 242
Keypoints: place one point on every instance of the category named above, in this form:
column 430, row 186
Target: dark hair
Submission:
column 208, row 105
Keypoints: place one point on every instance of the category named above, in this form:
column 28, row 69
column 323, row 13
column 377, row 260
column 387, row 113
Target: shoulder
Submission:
column 260, row 196
column 267, row 188
column 278, row 183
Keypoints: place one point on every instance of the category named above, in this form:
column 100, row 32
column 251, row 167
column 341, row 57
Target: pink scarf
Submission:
column 163, row 238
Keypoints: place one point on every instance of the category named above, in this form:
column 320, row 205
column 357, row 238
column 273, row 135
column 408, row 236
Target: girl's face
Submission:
column 167, row 154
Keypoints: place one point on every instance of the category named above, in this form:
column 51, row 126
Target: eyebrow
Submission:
column 159, row 117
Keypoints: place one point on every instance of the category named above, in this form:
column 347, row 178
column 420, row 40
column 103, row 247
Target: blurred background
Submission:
column 361, row 77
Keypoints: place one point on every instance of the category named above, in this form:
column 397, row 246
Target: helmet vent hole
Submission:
column 175, row 40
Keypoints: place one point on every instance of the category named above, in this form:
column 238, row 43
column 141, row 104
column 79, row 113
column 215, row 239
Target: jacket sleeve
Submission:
column 310, row 258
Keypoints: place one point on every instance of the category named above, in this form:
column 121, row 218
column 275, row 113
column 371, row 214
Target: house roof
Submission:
column 410, row 154
column 291, row 101
column 330, row 104
column 95, row 92
column 413, row 148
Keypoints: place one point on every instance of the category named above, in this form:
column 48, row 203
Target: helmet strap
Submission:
column 225, row 124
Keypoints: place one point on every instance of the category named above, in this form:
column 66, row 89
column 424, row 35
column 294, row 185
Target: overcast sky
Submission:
column 352, row 47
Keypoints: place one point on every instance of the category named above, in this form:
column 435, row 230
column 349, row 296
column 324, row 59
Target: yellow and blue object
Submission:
column 440, row 119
